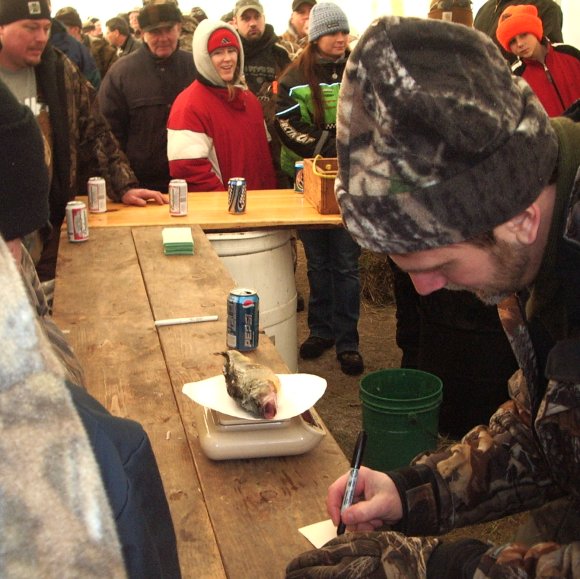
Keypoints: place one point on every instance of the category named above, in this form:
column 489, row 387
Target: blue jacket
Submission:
column 134, row 488
column 76, row 51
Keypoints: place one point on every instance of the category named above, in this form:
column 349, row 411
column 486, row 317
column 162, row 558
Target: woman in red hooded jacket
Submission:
column 216, row 129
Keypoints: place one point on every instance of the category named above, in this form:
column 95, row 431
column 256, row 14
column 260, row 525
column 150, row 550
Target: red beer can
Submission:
column 77, row 223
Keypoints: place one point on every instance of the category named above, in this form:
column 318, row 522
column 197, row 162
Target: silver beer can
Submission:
column 178, row 197
column 237, row 195
column 97, row 192
column 77, row 222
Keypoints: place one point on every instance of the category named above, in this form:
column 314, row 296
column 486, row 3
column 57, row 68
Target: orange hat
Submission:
column 516, row 20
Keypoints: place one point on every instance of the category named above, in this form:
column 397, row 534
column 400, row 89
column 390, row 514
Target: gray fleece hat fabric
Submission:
column 326, row 18
column 437, row 142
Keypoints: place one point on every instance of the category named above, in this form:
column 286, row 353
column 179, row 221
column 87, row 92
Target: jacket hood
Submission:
column 201, row 57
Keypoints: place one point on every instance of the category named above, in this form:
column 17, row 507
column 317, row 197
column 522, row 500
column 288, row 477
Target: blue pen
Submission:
column 352, row 477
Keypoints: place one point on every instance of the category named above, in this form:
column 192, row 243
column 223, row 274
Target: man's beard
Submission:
column 254, row 36
column 511, row 265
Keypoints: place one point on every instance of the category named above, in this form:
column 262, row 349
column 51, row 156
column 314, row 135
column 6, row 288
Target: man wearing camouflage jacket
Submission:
column 80, row 140
column 451, row 166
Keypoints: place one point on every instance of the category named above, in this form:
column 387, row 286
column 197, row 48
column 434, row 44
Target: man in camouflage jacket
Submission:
column 456, row 172
column 80, row 140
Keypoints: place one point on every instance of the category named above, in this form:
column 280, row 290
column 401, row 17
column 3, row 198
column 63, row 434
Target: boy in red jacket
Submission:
column 552, row 70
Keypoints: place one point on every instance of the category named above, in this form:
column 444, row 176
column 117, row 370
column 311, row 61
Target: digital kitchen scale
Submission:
column 225, row 437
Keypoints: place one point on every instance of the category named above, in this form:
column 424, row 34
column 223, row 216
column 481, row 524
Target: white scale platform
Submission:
column 225, row 437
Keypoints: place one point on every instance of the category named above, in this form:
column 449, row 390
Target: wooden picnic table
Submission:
column 273, row 208
column 233, row 518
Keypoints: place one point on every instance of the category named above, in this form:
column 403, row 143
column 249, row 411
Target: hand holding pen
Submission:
column 378, row 500
column 352, row 477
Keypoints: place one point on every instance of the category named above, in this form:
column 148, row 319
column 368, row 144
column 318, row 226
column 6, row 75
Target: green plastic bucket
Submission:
column 400, row 414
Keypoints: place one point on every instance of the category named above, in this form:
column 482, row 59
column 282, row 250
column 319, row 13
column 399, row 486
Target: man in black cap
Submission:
column 296, row 37
column 63, row 102
column 450, row 165
column 137, row 93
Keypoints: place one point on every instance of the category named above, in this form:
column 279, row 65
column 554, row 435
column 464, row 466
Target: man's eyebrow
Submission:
column 431, row 269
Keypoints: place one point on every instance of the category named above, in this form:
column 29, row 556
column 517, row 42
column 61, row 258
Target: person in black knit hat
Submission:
column 81, row 143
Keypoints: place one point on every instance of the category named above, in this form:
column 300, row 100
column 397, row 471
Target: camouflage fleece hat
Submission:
column 436, row 141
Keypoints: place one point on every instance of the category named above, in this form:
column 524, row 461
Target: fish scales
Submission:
column 254, row 386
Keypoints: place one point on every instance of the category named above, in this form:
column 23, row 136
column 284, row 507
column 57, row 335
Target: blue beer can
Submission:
column 299, row 176
column 243, row 319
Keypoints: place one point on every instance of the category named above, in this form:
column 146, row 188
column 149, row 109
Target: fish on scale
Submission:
column 254, row 387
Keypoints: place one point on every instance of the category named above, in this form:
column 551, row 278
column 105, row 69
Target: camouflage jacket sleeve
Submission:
column 506, row 468
column 96, row 144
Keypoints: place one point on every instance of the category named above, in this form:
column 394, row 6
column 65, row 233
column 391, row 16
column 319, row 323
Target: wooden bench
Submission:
column 236, row 518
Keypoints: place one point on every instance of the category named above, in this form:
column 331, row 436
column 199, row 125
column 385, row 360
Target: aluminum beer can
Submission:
column 77, row 223
column 97, row 192
column 243, row 319
column 178, row 197
column 237, row 195
column 299, row 176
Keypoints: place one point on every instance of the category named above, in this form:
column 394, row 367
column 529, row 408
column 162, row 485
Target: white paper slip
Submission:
column 319, row 533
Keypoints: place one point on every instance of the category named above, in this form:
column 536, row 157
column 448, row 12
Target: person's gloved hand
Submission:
column 373, row 555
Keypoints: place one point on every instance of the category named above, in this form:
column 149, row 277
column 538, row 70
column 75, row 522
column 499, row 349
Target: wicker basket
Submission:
column 319, row 176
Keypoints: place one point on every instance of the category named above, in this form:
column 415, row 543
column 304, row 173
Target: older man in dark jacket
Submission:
column 138, row 91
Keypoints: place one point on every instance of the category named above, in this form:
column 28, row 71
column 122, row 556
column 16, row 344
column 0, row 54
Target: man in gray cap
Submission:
column 63, row 102
column 451, row 166
column 264, row 60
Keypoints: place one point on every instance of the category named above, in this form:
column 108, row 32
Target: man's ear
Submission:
column 524, row 226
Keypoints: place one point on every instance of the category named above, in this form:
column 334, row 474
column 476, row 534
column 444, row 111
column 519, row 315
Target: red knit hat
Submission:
column 221, row 38
column 516, row 20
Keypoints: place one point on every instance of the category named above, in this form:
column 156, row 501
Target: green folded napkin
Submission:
column 177, row 241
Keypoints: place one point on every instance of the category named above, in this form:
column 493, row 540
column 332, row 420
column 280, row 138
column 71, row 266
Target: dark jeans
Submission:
column 333, row 275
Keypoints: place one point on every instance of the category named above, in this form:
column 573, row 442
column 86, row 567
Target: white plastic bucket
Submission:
column 262, row 260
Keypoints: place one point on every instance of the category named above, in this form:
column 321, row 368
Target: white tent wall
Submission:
column 360, row 12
